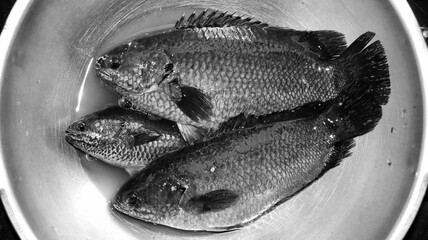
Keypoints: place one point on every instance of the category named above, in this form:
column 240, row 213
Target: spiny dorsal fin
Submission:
column 241, row 121
column 216, row 19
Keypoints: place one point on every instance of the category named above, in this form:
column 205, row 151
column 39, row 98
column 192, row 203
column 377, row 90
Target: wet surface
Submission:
column 418, row 229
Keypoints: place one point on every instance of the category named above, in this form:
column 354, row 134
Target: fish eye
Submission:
column 182, row 189
column 125, row 103
column 114, row 63
column 132, row 199
column 81, row 126
column 169, row 67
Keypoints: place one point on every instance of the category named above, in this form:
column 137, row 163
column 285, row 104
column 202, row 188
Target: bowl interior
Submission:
column 48, row 83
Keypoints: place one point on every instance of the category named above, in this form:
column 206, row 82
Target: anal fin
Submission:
column 341, row 151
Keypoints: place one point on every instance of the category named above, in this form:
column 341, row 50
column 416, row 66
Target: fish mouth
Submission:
column 133, row 212
column 103, row 75
column 124, row 208
column 72, row 138
column 108, row 81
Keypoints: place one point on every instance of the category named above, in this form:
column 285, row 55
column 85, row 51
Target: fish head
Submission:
column 131, row 69
column 94, row 135
column 152, row 197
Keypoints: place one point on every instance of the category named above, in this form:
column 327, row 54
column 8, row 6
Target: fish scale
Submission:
column 236, row 86
column 274, row 68
column 124, row 138
column 253, row 168
column 259, row 167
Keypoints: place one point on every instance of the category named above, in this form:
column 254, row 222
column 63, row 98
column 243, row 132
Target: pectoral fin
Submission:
column 190, row 133
column 145, row 137
column 192, row 101
column 212, row 201
column 133, row 171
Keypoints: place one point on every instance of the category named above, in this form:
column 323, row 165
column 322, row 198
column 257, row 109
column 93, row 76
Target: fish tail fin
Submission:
column 356, row 111
column 368, row 64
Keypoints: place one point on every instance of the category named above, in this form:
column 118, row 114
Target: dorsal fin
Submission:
column 241, row 121
column 327, row 44
column 216, row 19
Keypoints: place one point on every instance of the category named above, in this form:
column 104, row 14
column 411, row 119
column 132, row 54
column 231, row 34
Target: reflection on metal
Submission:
column 80, row 94
column 424, row 32
column 55, row 193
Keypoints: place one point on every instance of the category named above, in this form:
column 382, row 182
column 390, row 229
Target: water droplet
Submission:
column 18, row 58
column 403, row 113
column 425, row 33
column 18, row 103
column 388, row 161
column 212, row 169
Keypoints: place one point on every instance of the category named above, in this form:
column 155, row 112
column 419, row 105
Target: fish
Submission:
column 124, row 138
column 214, row 66
column 237, row 176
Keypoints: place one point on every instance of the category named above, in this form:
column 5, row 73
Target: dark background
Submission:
column 418, row 230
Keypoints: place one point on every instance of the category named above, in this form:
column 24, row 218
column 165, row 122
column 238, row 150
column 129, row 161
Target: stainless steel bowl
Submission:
column 53, row 192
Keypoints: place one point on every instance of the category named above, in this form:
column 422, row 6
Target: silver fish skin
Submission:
column 124, row 138
column 212, row 67
column 233, row 179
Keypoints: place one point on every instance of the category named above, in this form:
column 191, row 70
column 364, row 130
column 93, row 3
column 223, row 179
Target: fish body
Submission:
column 211, row 68
column 124, row 138
column 234, row 178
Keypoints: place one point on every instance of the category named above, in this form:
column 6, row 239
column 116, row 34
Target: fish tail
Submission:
column 368, row 64
column 356, row 111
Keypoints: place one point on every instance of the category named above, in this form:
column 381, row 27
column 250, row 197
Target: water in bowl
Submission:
column 92, row 96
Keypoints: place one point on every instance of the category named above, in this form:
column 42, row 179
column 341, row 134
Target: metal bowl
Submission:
column 51, row 191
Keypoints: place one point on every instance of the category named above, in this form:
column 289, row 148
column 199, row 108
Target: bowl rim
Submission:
column 419, row 186
column 7, row 37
